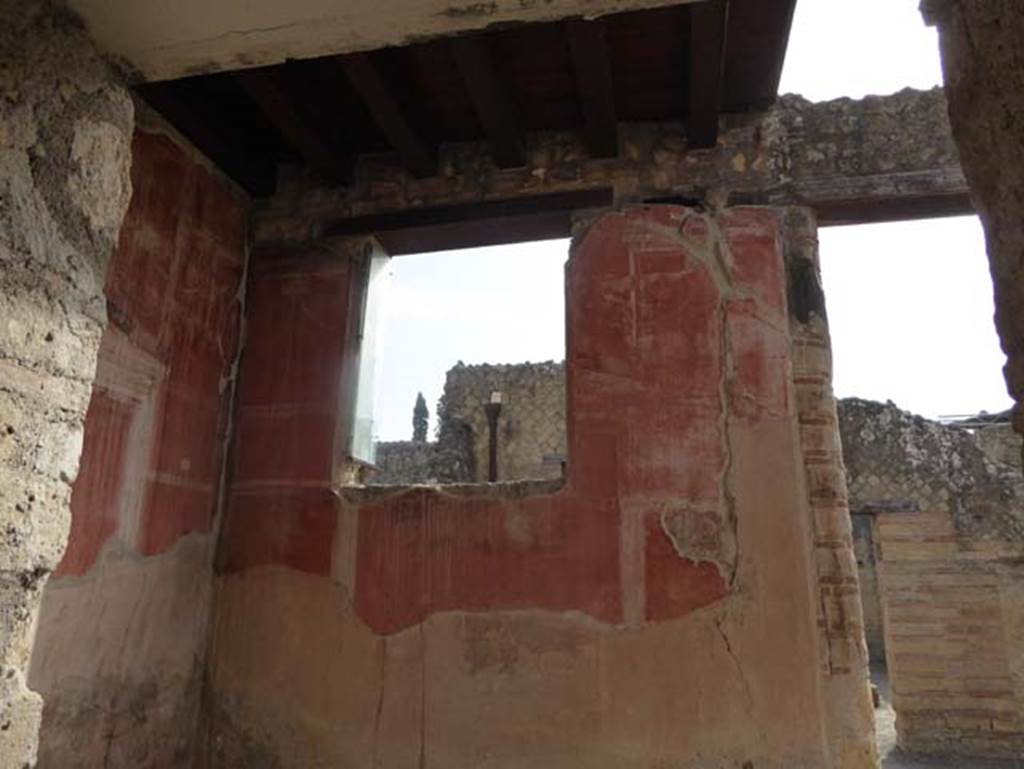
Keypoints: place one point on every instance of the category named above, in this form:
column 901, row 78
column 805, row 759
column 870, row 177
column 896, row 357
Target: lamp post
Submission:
column 492, row 409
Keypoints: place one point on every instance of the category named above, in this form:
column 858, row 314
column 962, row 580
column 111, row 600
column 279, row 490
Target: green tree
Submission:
column 420, row 417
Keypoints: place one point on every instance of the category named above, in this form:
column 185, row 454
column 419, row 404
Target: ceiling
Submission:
column 677, row 63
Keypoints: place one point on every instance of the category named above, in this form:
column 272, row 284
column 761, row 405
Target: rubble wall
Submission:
column 122, row 635
column 646, row 612
column 65, row 132
column 949, row 535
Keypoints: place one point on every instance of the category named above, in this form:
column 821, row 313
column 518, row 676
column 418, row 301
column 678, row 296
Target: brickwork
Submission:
column 840, row 621
column 948, row 539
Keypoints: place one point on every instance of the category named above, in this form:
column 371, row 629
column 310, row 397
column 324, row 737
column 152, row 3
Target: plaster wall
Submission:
column 122, row 635
column 162, row 40
column 658, row 609
column 65, row 129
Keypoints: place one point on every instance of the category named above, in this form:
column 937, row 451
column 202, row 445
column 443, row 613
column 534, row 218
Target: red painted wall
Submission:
column 675, row 326
column 155, row 428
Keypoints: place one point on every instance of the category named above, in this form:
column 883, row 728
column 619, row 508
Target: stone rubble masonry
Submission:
column 850, row 160
column 65, row 133
column 981, row 43
column 949, row 538
column 673, row 568
column 531, row 428
column 404, row 463
column 850, row 722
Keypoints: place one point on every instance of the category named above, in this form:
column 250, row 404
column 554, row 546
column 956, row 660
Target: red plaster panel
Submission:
column 294, row 527
column 96, row 492
column 421, row 552
column 676, row 586
column 171, row 288
column 671, row 332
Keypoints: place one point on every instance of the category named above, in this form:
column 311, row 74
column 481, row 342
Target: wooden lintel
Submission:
column 593, row 71
column 495, row 107
column 493, row 222
column 708, row 21
column 417, row 155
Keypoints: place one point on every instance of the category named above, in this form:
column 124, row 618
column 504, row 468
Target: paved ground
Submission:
column 894, row 758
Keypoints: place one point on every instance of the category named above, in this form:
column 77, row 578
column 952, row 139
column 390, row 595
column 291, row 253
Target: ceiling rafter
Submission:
column 593, row 71
column 492, row 99
column 708, row 21
column 274, row 101
column 417, row 154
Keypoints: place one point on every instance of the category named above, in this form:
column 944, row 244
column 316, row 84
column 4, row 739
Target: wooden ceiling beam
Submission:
column 274, row 101
column 257, row 175
column 593, row 71
column 416, row 153
column 708, row 22
column 492, row 100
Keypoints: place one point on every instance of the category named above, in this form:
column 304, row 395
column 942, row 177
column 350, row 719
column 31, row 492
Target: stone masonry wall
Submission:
column 851, row 160
column 949, row 534
column 65, row 132
column 121, row 644
column 531, row 425
column 405, row 463
column 531, row 428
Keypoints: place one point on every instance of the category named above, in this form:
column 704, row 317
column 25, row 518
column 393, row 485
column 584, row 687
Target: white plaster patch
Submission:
column 100, row 185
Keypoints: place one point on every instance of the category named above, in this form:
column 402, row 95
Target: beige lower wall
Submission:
column 300, row 682
column 119, row 659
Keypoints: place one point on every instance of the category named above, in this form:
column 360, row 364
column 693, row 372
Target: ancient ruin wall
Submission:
column 949, row 534
column 672, row 570
column 65, row 131
column 531, row 424
column 121, row 641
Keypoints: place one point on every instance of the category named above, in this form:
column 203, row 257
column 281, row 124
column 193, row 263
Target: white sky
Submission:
column 910, row 304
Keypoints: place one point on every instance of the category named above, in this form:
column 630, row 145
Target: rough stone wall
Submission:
column 531, row 425
column 531, row 429
column 65, row 131
column 850, row 160
column 950, row 541
column 121, row 641
column 1001, row 443
column 648, row 612
column 850, row 720
column 982, row 43
column 405, row 463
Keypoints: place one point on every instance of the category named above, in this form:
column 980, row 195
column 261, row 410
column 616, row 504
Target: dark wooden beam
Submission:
column 417, row 155
column 492, row 99
column 257, row 175
column 493, row 222
column 594, row 83
column 708, row 20
column 274, row 101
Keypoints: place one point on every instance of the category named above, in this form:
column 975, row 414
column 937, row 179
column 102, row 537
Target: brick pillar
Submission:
column 65, row 130
column 849, row 716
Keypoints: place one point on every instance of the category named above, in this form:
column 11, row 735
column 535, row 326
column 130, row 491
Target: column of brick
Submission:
column 840, row 617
